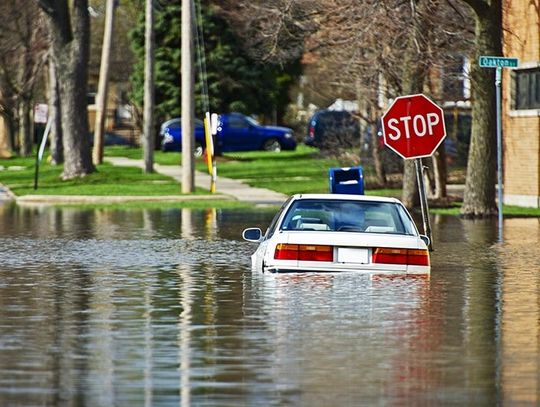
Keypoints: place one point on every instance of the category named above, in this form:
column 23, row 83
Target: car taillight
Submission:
column 418, row 257
column 304, row 252
column 311, row 131
column 413, row 257
column 286, row 252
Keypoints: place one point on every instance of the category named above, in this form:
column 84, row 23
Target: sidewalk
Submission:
column 226, row 189
column 224, row 186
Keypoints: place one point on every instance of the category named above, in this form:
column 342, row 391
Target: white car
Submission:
column 340, row 232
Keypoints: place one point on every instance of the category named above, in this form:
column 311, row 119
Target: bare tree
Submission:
column 22, row 55
column 368, row 49
column 69, row 32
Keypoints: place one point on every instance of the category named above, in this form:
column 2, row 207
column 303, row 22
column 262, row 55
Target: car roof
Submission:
column 349, row 197
column 327, row 112
column 179, row 119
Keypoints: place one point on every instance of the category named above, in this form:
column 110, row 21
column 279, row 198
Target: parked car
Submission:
column 330, row 129
column 170, row 133
column 235, row 132
column 340, row 232
column 112, row 139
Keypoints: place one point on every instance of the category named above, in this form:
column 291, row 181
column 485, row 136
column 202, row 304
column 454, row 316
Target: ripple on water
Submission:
column 92, row 253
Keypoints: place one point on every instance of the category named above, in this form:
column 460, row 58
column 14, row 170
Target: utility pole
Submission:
column 101, row 100
column 188, row 99
column 148, row 112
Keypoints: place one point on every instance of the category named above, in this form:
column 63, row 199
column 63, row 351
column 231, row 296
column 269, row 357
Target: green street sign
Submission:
column 498, row 62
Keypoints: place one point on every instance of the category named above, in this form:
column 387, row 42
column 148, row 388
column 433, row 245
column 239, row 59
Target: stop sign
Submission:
column 413, row 126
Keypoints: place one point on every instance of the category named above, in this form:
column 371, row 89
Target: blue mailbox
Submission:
column 346, row 180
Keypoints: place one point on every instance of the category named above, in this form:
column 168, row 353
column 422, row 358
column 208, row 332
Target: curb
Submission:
column 6, row 194
column 96, row 199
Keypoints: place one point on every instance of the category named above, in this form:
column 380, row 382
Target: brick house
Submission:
column 521, row 103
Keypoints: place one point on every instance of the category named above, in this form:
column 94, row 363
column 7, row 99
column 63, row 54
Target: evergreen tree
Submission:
column 235, row 81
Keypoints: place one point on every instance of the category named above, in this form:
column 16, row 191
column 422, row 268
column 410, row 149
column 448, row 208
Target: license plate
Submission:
column 350, row 255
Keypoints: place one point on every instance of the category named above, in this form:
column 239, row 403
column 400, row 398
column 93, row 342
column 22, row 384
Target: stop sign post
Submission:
column 413, row 127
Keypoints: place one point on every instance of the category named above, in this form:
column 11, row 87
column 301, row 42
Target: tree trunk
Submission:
column 409, row 196
column 26, row 139
column 5, row 138
column 376, row 155
column 101, row 102
column 479, row 196
column 148, row 114
column 440, row 173
column 413, row 83
column 71, row 52
column 55, row 137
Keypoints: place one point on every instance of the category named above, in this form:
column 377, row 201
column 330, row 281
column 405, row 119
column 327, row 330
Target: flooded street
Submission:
column 159, row 308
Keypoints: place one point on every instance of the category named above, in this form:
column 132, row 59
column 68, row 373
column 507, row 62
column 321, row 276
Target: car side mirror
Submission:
column 252, row 235
column 426, row 240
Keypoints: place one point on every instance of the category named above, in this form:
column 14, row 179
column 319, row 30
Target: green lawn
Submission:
column 516, row 211
column 108, row 180
column 170, row 158
column 289, row 172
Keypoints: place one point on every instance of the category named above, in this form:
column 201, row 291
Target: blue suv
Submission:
column 235, row 132
column 171, row 136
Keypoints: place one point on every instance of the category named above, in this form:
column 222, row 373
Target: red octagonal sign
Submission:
column 413, row 126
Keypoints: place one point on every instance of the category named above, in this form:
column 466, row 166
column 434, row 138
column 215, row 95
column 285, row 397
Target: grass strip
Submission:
column 508, row 210
column 108, row 180
column 213, row 204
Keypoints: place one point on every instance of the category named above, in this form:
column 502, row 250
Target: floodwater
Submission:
column 159, row 308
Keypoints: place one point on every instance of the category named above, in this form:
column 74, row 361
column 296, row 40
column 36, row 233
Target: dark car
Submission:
column 328, row 129
column 235, row 132
column 112, row 139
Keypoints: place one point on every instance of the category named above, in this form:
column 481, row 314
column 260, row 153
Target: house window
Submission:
column 454, row 82
column 527, row 89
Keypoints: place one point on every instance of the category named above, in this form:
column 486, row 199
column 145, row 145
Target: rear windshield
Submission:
column 348, row 216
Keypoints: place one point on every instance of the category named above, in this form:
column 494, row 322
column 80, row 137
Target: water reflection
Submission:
column 519, row 296
column 159, row 307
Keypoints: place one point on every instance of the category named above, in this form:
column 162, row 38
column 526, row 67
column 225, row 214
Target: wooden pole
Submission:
column 423, row 200
column 101, row 99
column 148, row 112
column 188, row 99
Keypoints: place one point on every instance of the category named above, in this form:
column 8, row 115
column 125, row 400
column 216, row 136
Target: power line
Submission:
column 199, row 40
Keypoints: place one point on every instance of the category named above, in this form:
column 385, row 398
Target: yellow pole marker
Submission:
column 209, row 152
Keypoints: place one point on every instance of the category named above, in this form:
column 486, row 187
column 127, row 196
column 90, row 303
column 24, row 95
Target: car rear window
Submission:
column 348, row 216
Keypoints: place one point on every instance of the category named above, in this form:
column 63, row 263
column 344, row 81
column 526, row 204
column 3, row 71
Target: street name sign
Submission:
column 413, row 126
column 498, row 62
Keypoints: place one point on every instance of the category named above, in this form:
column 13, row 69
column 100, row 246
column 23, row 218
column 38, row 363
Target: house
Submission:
column 521, row 104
